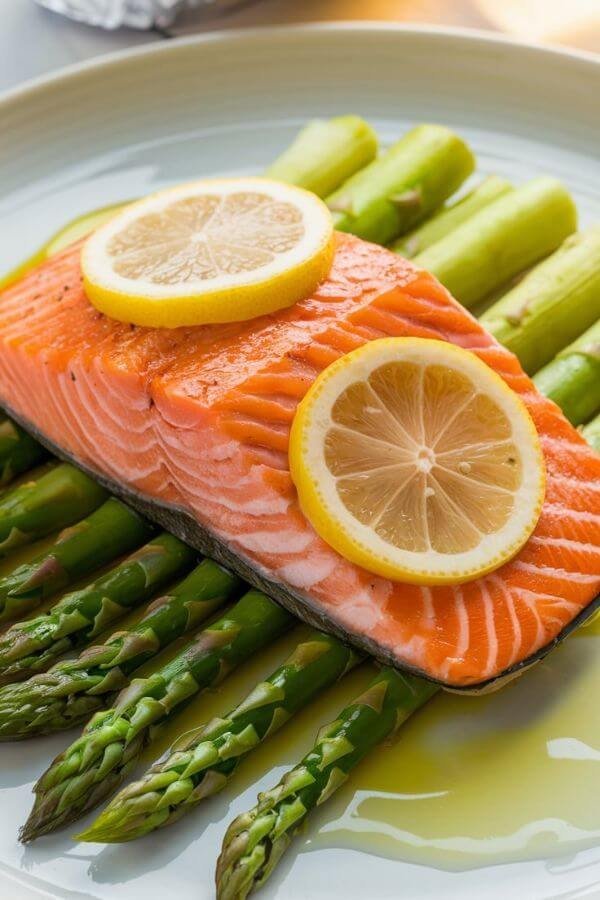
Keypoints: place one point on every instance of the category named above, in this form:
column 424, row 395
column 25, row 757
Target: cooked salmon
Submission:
column 193, row 425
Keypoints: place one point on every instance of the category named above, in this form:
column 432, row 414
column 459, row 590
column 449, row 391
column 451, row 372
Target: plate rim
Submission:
column 586, row 59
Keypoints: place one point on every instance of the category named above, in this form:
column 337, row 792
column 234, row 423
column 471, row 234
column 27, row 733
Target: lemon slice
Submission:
column 217, row 250
column 414, row 460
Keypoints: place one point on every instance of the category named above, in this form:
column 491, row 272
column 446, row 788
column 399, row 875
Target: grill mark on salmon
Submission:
column 192, row 425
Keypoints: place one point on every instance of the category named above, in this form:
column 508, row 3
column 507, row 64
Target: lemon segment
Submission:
column 217, row 250
column 416, row 461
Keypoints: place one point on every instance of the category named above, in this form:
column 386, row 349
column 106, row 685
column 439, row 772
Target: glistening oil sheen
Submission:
column 477, row 781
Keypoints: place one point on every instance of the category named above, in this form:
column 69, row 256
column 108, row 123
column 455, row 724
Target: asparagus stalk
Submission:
column 591, row 432
column 402, row 186
column 501, row 240
column 31, row 646
column 18, row 451
column 572, row 380
column 57, row 499
column 325, row 154
column 256, row 840
column 202, row 761
column 552, row 305
column 110, row 531
column 94, row 765
column 80, row 227
column 72, row 690
column 451, row 216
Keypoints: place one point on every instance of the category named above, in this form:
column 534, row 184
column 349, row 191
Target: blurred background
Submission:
column 34, row 40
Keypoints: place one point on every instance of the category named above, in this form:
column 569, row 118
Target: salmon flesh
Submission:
column 192, row 425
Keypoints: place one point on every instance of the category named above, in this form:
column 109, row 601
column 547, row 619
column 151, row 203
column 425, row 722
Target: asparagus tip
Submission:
column 95, row 834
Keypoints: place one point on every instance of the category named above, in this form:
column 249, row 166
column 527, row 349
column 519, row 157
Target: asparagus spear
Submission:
column 18, row 451
column 403, row 186
column 72, row 690
column 80, row 227
column 552, row 305
column 451, row 216
column 506, row 237
column 94, row 765
column 591, row 432
column 572, row 380
column 31, row 646
column 255, row 841
column 202, row 761
column 57, row 499
column 325, row 154
column 110, row 531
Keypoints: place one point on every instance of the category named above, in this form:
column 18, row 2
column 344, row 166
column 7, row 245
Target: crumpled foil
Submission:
column 140, row 14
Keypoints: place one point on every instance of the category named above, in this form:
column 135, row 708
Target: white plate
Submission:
column 115, row 129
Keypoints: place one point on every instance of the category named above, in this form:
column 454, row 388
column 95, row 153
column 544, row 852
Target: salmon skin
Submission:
column 192, row 425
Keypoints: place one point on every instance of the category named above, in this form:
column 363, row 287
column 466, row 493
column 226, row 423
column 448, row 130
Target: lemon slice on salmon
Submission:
column 217, row 250
column 416, row 461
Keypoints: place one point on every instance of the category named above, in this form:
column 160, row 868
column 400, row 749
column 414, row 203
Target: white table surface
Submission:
column 34, row 41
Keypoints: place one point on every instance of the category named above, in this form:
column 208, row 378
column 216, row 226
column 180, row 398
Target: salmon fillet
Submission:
column 193, row 424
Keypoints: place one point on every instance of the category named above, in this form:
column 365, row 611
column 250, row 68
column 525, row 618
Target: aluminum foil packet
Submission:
column 142, row 14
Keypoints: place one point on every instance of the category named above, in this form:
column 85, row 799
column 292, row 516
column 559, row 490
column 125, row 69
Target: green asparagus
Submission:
column 110, row 531
column 18, row 451
column 72, row 690
column 572, row 380
column 403, row 186
column 451, row 216
column 94, row 765
column 31, row 646
column 56, row 499
column 325, row 154
column 506, row 237
column 256, row 840
column 202, row 761
column 82, row 226
column 591, row 432
column 552, row 305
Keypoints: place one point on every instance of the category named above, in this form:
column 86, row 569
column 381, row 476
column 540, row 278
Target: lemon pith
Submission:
column 416, row 461
column 217, row 250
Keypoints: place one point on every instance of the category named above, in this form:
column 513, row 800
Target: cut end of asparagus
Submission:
column 325, row 154
column 403, row 186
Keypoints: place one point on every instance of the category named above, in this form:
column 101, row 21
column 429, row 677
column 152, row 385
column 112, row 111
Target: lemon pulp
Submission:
column 416, row 461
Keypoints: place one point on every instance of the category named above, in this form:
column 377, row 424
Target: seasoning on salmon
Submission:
column 194, row 424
